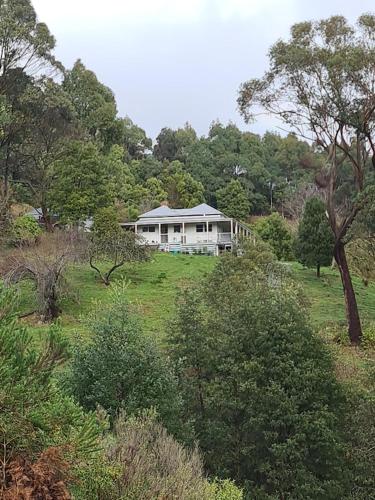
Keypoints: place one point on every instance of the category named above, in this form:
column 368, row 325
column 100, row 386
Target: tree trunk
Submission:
column 51, row 309
column 318, row 270
column 47, row 220
column 351, row 307
column 6, row 174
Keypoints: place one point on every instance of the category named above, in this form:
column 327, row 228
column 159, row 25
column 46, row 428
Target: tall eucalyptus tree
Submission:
column 321, row 84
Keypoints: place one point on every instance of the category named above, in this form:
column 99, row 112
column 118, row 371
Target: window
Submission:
column 148, row 229
column 202, row 228
column 177, row 228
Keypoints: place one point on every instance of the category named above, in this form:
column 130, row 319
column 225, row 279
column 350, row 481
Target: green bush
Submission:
column 274, row 231
column 315, row 239
column 233, row 200
column 164, row 468
column 360, row 434
column 368, row 336
column 25, row 230
column 121, row 367
column 141, row 460
column 259, row 386
column 225, row 490
column 99, row 480
column 36, row 416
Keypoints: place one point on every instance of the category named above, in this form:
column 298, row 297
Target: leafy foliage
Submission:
column 171, row 470
column 31, row 401
column 259, row 386
column 121, row 368
column 110, row 242
column 233, row 201
column 94, row 102
column 50, row 120
column 182, row 189
column 24, row 41
column 81, row 183
column 274, row 231
column 25, row 230
column 360, row 432
column 315, row 240
column 142, row 460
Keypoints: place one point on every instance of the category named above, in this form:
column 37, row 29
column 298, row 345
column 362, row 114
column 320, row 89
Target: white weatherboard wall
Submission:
column 193, row 237
column 151, row 238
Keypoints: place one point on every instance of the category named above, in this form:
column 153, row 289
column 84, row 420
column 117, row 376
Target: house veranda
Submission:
column 201, row 229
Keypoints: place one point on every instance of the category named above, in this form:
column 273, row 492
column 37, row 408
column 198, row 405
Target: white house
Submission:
column 188, row 230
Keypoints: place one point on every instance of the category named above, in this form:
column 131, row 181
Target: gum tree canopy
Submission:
column 321, row 84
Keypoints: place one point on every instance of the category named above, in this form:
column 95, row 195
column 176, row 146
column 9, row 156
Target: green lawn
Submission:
column 153, row 287
column 326, row 295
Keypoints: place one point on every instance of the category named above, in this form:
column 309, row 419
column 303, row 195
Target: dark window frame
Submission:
column 203, row 225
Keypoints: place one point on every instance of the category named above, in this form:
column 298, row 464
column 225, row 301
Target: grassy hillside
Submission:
column 326, row 296
column 152, row 288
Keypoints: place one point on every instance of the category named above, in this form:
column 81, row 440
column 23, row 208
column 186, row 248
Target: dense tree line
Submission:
column 65, row 150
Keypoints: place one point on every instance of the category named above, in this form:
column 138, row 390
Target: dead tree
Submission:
column 45, row 265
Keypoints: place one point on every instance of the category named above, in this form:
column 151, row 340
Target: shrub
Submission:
column 24, row 230
column 225, row 490
column 122, row 368
column 274, row 231
column 44, row 434
column 368, row 336
column 142, row 461
column 360, row 432
column 259, row 386
column 154, row 464
column 99, row 480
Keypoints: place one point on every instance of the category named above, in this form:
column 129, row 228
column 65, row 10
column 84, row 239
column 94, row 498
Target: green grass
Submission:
column 153, row 287
column 325, row 295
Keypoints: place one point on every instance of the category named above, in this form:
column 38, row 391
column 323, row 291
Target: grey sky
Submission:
column 172, row 61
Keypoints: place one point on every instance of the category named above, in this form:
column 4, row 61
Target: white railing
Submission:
column 224, row 237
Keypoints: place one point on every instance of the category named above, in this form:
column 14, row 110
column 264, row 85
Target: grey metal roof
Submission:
column 163, row 211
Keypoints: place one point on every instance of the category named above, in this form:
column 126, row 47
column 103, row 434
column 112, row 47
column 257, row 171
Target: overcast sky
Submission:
column 172, row 61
